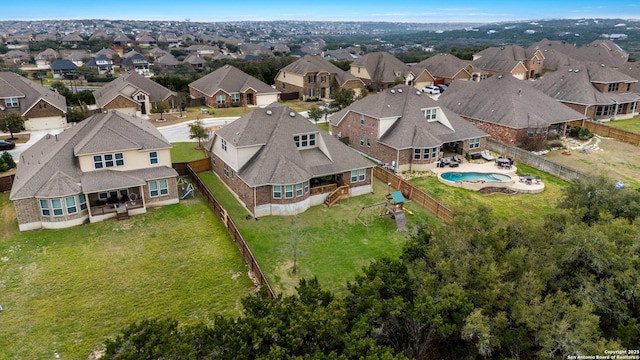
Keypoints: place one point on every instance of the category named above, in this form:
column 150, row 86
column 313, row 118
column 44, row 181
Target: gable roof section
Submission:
column 411, row 129
column 230, row 80
column 574, row 84
column 315, row 64
column 506, row 101
column 121, row 87
column 443, row 66
column 14, row 85
column 50, row 168
column 502, row 59
column 600, row 51
column 279, row 161
column 382, row 66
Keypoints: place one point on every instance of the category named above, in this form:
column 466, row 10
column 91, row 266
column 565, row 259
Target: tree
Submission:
column 12, row 122
column 343, row 98
column 78, row 113
column 160, row 107
column 197, row 131
column 315, row 114
column 8, row 160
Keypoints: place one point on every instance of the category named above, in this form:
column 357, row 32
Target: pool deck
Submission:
column 490, row 167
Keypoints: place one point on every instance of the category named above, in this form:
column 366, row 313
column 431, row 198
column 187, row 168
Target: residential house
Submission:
column 102, row 63
column 441, row 69
column 510, row 59
column 278, row 163
column 46, row 57
column 134, row 61
column 109, row 165
column 592, row 89
column 61, row 68
column 17, row 57
column 314, row 77
column 99, row 34
column 109, row 53
column 121, row 42
column 229, row 86
column 381, row 70
column 254, row 49
column 170, row 39
column 77, row 57
column 157, row 52
column 134, row 94
column 406, row 129
column 166, row 61
column 41, row 108
column 197, row 62
column 73, row 40
column 561, row 53
column 147, row 40
column 510, row 110
column 203, row 50
column 349, row 54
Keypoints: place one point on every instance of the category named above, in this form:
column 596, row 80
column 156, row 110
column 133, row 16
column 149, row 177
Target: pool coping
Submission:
column 487, row 168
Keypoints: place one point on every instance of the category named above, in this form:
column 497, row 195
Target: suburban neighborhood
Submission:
column 263, row 190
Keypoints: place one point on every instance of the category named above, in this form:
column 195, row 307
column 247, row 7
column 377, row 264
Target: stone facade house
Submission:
column 314, row 77
column 509, row 110
column 594, row 90
column 134, row 94
column 278, row 163
column 229, row 86
column 406, row 129
column 41, row 108
column 109, row 165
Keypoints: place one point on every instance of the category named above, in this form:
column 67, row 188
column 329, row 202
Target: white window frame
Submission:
column 11, row 102
column 108, row 160
column 235, row 97
column 223, row 144
column 44, row 207
column 306, row 187
column 82, row 199
column 299, row 189
column 361, row 119
column 277, row 191
column 474, row 143
column 153, row 157
column 430, row 114
column 56, row 207
column 158, row 188
column 358, row 175
column 288, row 191
column 361, row 140
column 416, row 153
column 221, row 99
column 71, row 205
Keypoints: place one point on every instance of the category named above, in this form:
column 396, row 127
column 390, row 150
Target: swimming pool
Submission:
column 475, row 176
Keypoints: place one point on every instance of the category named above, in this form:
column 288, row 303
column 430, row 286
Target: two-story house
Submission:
column 41, row 108
column 102, row 63
column 521, row 63
column 229, row 86
column 441, row 69
column 381, row 70
column 592, row 89
column 278, row 163
column 406, row 129
column 134, row 61
column 314, row 77
column 133, row 94
column 510, row 110
column 109, row 165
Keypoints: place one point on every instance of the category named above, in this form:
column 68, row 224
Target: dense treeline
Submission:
column 535, row 288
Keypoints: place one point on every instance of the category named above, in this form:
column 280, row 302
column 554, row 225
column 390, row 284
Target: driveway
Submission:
column 33, row 138
column 180, row 132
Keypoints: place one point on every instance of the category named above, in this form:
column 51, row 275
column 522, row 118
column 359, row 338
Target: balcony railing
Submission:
column 323, row 189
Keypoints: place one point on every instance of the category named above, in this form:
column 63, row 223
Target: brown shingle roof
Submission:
column 14, row 85
column 382, row 66
column 230, row 79
column 121, row 87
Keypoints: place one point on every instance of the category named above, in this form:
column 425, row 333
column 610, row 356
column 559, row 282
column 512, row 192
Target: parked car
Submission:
column 431, row 89
column 7, row 145
column 442, row 87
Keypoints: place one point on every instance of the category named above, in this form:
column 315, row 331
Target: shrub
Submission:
column 7, row 159
column 584, row 134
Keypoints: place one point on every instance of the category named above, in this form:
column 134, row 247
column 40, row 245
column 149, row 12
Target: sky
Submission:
column 425, row 11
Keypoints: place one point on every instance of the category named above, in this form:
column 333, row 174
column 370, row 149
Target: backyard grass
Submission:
column 65, row 291
column 632, row 124
column 505, row 207
column 329, row 243
column 299, row 106
column 186, row 151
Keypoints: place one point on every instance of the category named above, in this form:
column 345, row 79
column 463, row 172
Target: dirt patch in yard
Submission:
column 620, row 161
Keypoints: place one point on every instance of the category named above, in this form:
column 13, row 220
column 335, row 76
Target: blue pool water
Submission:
column 474, row 176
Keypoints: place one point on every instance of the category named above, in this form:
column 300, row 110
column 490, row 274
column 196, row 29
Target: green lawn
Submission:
column 330, row 243
column 524, row 206
column 65, row 291
column 632, row 124
column 186, row 151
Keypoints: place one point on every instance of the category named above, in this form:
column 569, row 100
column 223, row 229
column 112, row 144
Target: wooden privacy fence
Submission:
column 192, row 169
column 6, row 182
column 414, row 193
column 536, row 161
column 608, row 131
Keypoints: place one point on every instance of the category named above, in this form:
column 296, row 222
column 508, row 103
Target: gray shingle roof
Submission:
column 50, row 167
column 382, row 66
column 502, row 59
column 279, row 161
column 507, row 101
column 574, row 84
column 314, row 64
column 14, row 85
column 121, row 87
column 599, row 51
column 442, row 65
column 411, row 129
column 230, row 79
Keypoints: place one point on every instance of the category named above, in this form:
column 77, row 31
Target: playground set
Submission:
column 186, row 186
column 393, row 206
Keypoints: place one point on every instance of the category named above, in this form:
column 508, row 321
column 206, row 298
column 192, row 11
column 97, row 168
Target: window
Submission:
column 425, row 153
column 44, row 206
column 277, row 191
column 306, row 187
column 434, row 152
column 483, row 76
column 97, row 161
column 368, row 142
column 604, row 110
column 119, row 159
column 362, row 119
column 312, row 92
column 430, row 114
column 141, row 97
column 221, row 99
column 614, row 87
column 284, row 86
column 153, row 157
column 225, row 169
column 108, row 160
column 223, row 144
column 103, row 196
column 473, row 121
column 323, row 78
column 83, row 201
column 312, row 79
column 361, row 140
column 235, row 97
column 416, row 154
column 628, row 87
column 305, row 140
column 357, row 175
column 299, row 189
column 11, row 102
column 56, row 205
column 288, row 191
column 71, row 205
column 474, row 143
column 481, row 122
column 158, row 188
